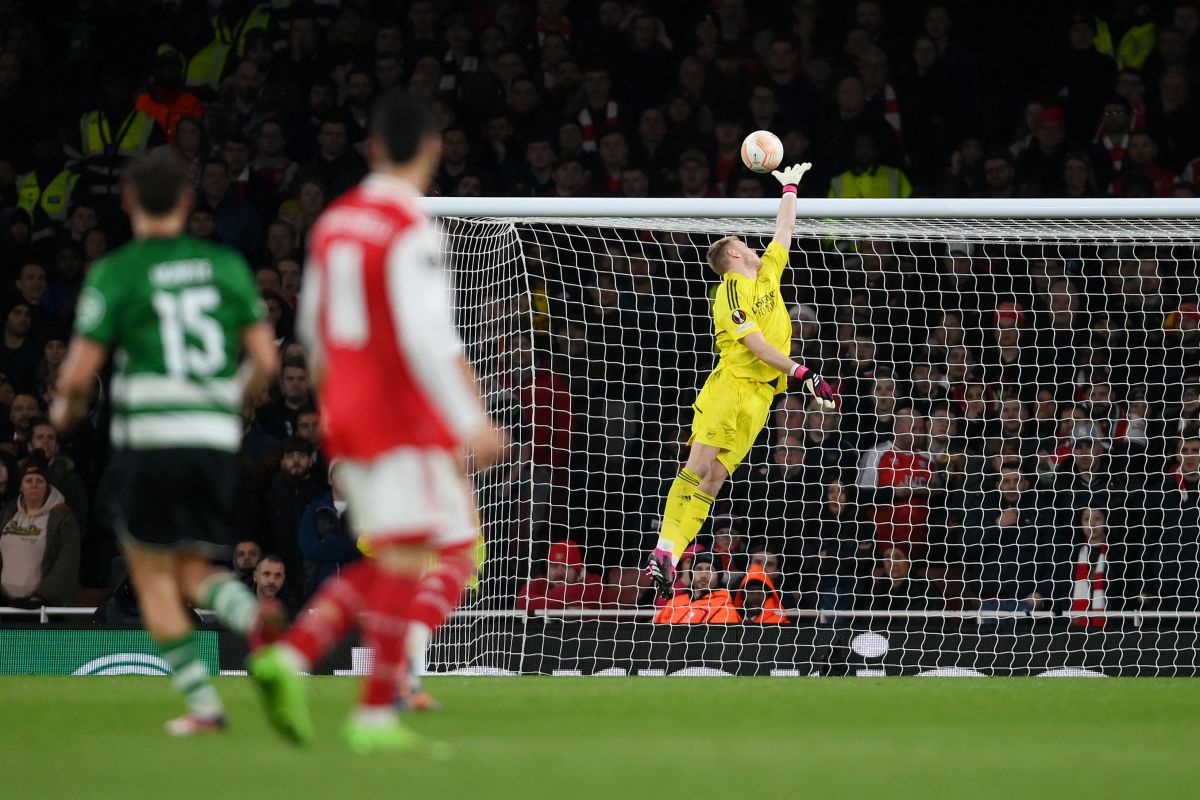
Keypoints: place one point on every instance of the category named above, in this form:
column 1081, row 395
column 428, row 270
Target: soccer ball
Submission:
column 762, row 151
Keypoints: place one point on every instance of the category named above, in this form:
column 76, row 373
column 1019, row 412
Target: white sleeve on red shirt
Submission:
column 868, row 467
column 307, row 313
column 420, row 303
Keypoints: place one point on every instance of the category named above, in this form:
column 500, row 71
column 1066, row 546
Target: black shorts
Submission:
column 176, row 499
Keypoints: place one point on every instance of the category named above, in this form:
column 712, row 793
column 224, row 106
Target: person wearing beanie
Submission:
column 39, row 544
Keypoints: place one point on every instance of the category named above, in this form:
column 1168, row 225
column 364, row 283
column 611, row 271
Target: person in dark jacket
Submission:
column 294, row 487
column 326, row 540
column 1008, row 543
column 1170, row 537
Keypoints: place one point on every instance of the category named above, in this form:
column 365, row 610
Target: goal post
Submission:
column 1005, row 487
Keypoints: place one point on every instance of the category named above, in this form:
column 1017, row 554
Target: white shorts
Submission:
column 410, row 495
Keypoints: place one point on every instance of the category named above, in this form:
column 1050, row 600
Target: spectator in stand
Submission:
column 246, row 184
column 1009, row 543
column 1083, row 476
column 191, row 144
column 851, row 117
column 728, row 135
column 30, row 288
column 167, row 99
column 760, row 602
column 704, row 601
column 894, row 587
column 294, row 487
column 1172, row 549
column 564, row 583
column 281, row 241
column 546, row 404
column 1142, row 163
column 246, row 555
column 729, row 549
column 847, row 549
column 1078, row 180
column 571, row 179
column 19, row 356
column 537, row 177
column 237, row 222
column 1176, row 117
column 828, row 451
column 243, row 93
column 1082, row 78
column 999, row 176
column 1096, row 573
column 1111, row 146
column 278, row 416
column 60, row 469
column 39, row 544
column 1008, row 359
column 788, row 492
column 1040, row 166
column 694, row 175
column 336, row 167
column 614, row 155
column 271, row 162
column 23, row 410
column 326, row 539
column 111, row 135
column 868, row 177
column 653, row 149
column 601, row 112
column 894, row 481
column 270, row 582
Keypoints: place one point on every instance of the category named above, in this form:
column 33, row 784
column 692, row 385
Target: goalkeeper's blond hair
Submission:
column 716, row 253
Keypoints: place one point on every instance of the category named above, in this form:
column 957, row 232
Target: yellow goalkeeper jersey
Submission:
column 744, row 305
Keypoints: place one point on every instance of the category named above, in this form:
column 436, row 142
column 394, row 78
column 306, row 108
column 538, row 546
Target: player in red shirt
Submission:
column 400, row 410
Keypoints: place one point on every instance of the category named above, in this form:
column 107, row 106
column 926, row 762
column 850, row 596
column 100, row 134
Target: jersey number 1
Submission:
column 184, row 315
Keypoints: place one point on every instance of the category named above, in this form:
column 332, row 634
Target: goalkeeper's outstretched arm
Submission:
column 785, row 220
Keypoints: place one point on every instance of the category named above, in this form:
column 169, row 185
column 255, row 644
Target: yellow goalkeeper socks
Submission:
column 687, row 508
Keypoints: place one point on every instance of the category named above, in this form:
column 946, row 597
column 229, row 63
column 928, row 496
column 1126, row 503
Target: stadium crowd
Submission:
column 1009, row 421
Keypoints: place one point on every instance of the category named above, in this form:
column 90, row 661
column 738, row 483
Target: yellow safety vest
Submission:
column 54, row 200
column 1135, row 46
column 205, row 69
column 878, row 182
column 131, row 139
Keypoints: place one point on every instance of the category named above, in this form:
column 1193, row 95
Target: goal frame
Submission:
column 821, row 212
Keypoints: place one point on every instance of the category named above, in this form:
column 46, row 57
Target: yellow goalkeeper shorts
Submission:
column 729, row 414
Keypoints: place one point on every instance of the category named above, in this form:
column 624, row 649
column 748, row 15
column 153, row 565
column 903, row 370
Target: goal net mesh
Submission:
column 1005, row 486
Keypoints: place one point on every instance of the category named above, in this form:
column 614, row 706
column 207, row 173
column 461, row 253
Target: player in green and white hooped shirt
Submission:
column 174, row 313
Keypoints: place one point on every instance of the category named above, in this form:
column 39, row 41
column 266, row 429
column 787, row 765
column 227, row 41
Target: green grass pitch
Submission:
column 572, row 738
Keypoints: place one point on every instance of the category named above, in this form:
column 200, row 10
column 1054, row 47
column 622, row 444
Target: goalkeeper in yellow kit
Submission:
column 753, row 338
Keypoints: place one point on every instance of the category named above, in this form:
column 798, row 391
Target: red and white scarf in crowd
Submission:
column 1087, row 593
column 1116, row 150
column 562, row 28
column 891, row 111
column 588, row 125
column 1178, row 475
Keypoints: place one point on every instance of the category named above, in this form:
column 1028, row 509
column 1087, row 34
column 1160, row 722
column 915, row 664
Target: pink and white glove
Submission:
column 815, row 385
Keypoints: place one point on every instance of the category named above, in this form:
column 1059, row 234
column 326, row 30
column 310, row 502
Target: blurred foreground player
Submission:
column 174, row 312
column 753, row 332
column 401, row 408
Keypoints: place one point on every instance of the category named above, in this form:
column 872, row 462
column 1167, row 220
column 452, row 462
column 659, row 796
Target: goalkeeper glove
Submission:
column 815, row 385
column 791, row 176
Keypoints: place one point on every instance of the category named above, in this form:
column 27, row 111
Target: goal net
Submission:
column 1008, row 485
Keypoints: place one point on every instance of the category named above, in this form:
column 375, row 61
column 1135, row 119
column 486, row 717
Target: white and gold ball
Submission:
column 762, row 151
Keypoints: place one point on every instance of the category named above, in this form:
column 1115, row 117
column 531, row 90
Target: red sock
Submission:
column 440, row 590
column 313, row 634
column 384, row 624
